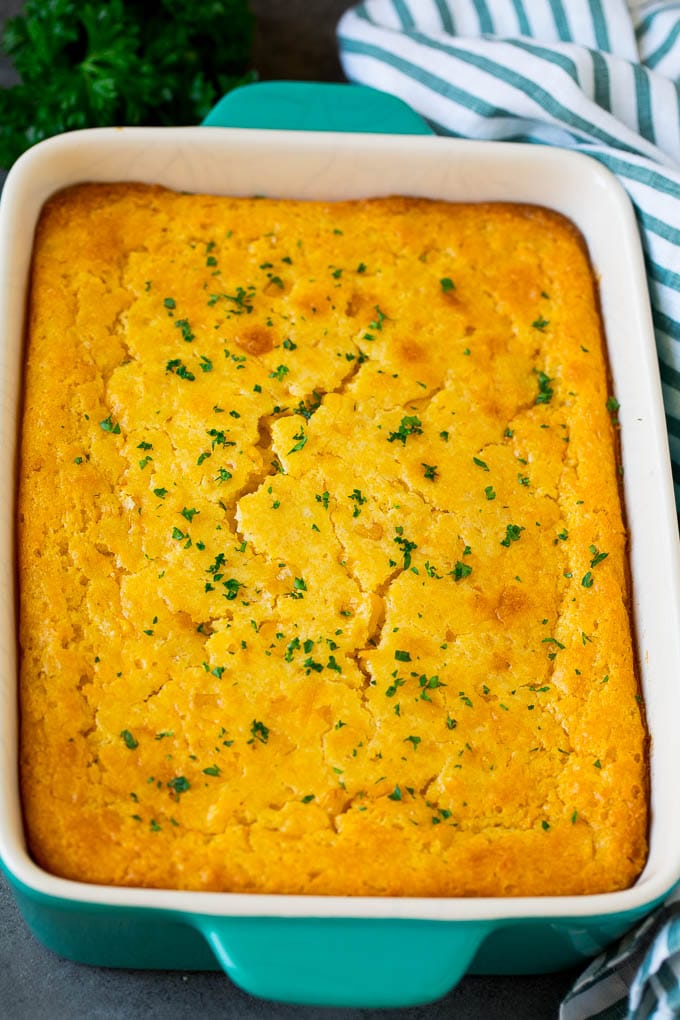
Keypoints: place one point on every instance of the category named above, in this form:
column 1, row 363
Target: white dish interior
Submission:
column 331, row 166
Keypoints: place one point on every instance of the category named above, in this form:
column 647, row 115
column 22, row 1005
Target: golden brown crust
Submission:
column 322, row 562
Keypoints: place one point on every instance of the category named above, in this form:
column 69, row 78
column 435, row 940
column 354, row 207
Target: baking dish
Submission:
column 339, row 950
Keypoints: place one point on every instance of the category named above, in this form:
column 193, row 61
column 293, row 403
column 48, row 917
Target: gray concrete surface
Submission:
column 295, row 40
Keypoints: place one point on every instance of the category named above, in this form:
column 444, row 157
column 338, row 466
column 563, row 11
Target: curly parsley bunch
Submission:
column 120, row 62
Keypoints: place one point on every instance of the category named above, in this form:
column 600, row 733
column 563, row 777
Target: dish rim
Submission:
column 28, row 183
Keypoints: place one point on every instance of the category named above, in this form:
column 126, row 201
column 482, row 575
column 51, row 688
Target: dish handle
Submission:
column 315, row 106
column 345, row 962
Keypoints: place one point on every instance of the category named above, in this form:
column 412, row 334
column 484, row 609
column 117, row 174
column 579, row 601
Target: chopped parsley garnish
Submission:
column 396, row 794
column 410, row 426
column 402, row 656
column 180, row 784
column 540, row 323
column 169, row 302
column 480, row 463
column 406, row 547
column 212, row 770
column 307, row 409
column 301, row 441
column 359, row 499
column 512, row 534
column 184, row 326
column 461, row 570
column 447, row 284
column 177, row 366
column 613, row 406
column 129, row 740
column 299, row 587
column 545, row 391
column 587, row 580
column 597, row 556
column 489, row 492
column 108, row 425
column 430, row 471
column 259, row 732
column 279, row 372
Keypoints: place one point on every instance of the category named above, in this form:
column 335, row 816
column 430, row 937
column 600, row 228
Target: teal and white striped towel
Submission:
column 599, row 76
column 603, row 77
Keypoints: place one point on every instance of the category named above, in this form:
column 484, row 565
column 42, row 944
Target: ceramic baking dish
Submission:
column 340, row 950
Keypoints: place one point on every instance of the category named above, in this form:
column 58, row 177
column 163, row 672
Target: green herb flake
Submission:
column 212, row 770
column 169, row 302
column 180, row 784
column 447, row 284
column 108, row 425
column 480, row 463
column 301, row 441
column 402, row 656
column 129, row 740
column 259, row 732
column 183, row 325
column 489, row 492
column 396, row 794
column 512, row 534
column 430, row 471
column 410, row 426
column 545, row 391
column 177, row 367
column 406, row 547
column 587, row 580
column 461, row 570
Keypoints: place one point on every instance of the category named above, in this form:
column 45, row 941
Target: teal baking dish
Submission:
column 340, row 951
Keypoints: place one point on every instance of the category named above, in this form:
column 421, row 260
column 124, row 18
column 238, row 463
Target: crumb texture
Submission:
column 323, row 569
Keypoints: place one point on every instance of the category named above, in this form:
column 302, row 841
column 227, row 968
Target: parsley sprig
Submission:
column 117, row 62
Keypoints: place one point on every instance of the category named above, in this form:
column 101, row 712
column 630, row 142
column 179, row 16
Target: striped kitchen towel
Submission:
column 603, row 77
column 600, row 76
